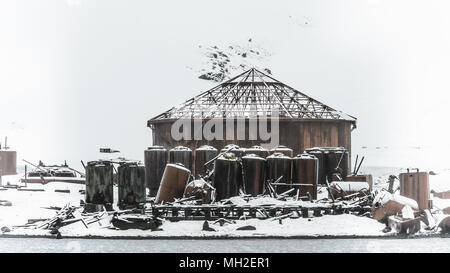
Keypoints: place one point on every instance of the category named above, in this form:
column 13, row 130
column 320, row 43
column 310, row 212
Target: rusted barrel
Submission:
column 254, row 174
column 202, row 155
column 181, row 155
column 282, row 149
column 173, row 183
column 227, row 176
column 155, row 159
column 305, row 170
column 99, row 182
column 257, row 150
column 131, row 183
column 236, row 150
column 279, row 165
column 201, row 190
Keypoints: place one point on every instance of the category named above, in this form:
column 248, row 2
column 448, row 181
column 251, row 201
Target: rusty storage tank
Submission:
column 202, row 155
column 282, row 149
column 99, row 182
column 415, row 185
column 321, row 157
column 235, row 149
column 337, row 162
column 279, row 165
column 227, row 176
column 182, row 155
column 305, row 170
column 131, row 182
column 257, row 150
column 253, row 174
column 173, row 183
column 155, row 160
column 8, row 162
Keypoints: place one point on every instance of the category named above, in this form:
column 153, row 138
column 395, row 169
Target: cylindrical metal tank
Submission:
column 283, row 149
column 337, row 162
column 155, row 160
column 202, row 155
column 173, row 183
column 322, row 168
column 279, row 165
column 257, row 150
column 305, row 170
column 131, row 181
column 415, row 185
column 253, row 174
column 99, row 182
column 236, row 150
column 227, row 176
column 181, row 155
column 8, row 162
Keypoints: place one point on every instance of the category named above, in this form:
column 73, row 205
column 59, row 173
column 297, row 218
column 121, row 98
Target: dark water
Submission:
column 239, row 245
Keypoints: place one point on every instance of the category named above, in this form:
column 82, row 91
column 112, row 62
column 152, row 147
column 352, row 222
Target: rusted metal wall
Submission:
column 8, row 162
column 415, row 185
column 297, row 134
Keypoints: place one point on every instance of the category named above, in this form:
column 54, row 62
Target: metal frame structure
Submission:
column 252, row 94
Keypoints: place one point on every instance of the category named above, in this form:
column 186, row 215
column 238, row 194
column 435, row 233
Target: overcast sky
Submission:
column 76, row 75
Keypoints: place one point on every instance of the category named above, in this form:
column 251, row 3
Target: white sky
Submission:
column 77, row 75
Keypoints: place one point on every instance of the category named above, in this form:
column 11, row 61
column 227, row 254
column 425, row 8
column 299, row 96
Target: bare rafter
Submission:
column 252, row 93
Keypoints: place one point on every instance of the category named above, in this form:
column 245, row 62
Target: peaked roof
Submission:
column 252, row 93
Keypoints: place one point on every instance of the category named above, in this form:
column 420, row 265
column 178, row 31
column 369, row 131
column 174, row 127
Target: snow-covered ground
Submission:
column 30, row 205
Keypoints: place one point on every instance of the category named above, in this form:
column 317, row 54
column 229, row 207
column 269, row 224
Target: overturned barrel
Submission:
column 202, row 155
column 227, row 176
column 173, row 183
column 257, row 150
column 234, row 149
column 253, row 174
column 305, row 170
column 181, row 155
column 200, row 190
column 155, row 158
column 131, row 182
column 284, row 150
column 99, row 182
column 279, row 165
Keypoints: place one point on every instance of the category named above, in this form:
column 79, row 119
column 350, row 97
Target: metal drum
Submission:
column 257, row 150
column 131, row 180
column 155, row 158
column 337, row 162
column 279, row 165
column 173, row 183
column 322, row 168
column 254, row 174
column 99, row 182
column 236, row 150
column 282, row 149
column 202, row 155
column 227, row 176
column 305, row 170
column 181, row 155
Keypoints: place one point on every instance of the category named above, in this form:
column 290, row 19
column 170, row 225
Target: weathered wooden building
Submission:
column 303, row 121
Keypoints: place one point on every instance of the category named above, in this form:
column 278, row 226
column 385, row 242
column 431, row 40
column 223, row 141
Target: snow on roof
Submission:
column 252, row 94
